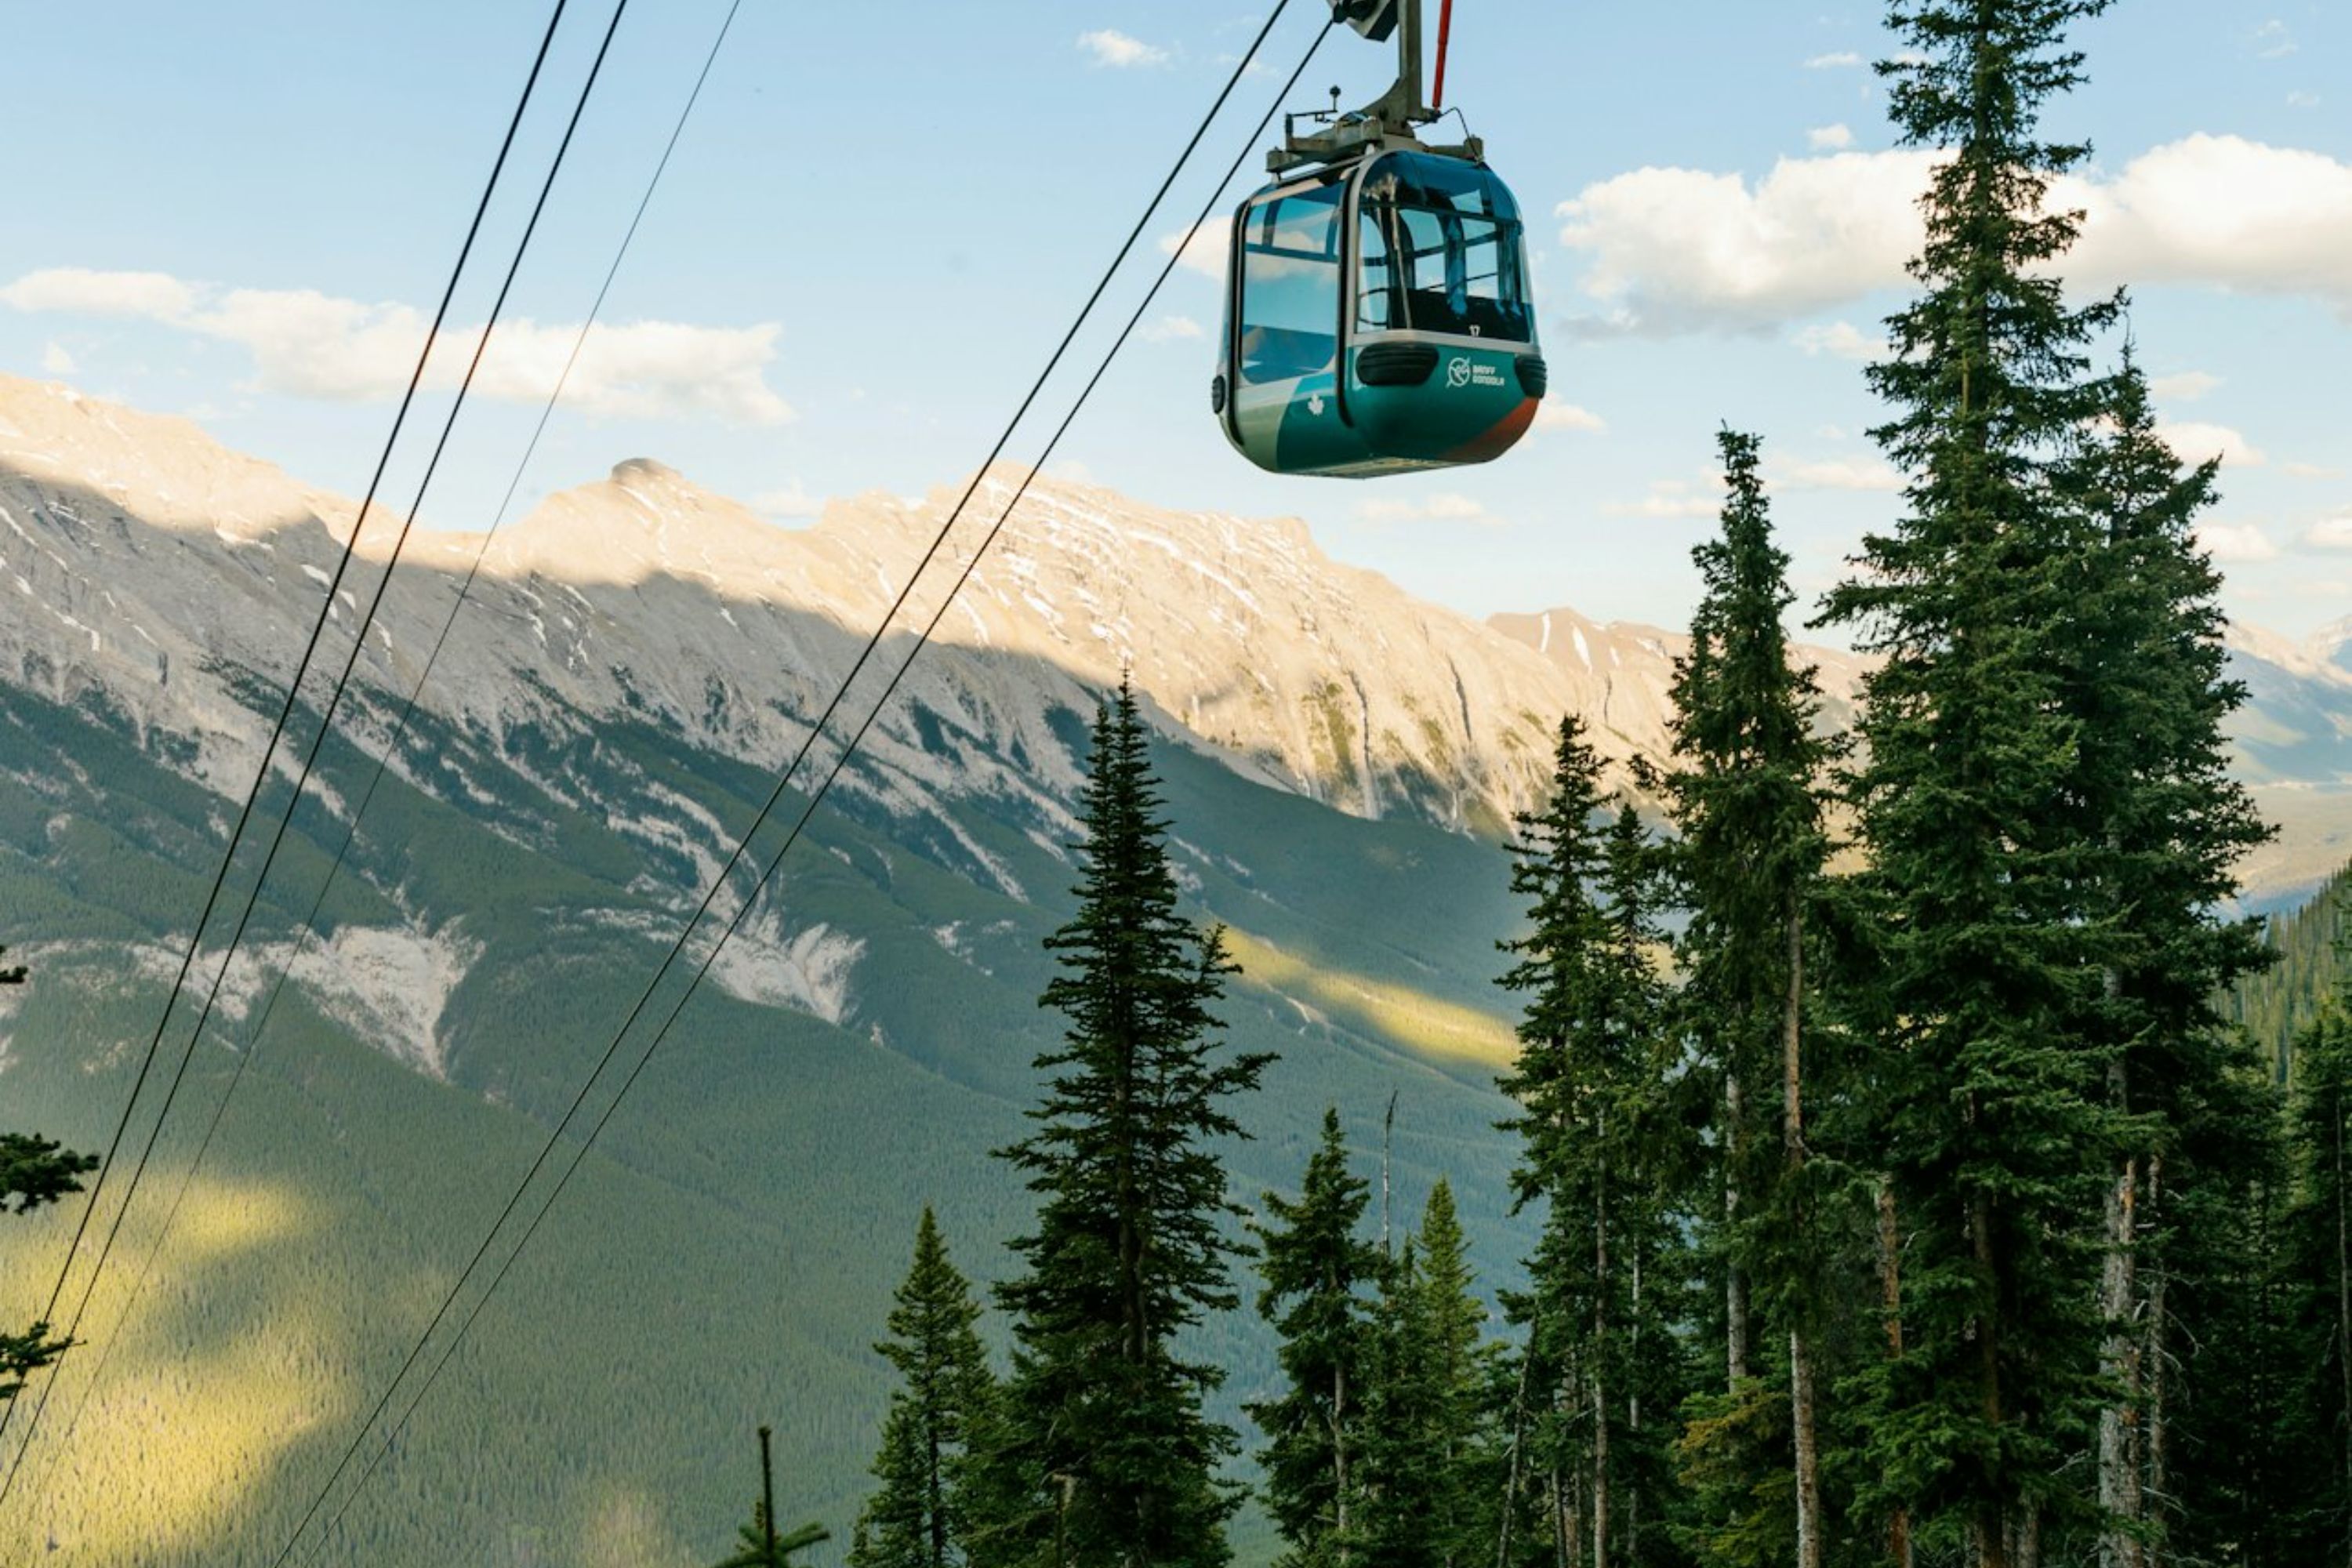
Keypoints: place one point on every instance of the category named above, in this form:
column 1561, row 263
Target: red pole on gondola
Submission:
column 1444, row 32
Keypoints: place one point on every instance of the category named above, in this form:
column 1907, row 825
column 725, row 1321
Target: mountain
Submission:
column 638, row 658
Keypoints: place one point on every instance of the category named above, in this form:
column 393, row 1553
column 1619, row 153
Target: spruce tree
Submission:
column 1105, row 1455
column 1315, row 1266
column 1428, row 1456
column 2320, row 1260
column 1590, row 1081
column 1989, row 1109
column 919, row 1516
column 760, row 1544
column 1747, row 797
column 2155, row 826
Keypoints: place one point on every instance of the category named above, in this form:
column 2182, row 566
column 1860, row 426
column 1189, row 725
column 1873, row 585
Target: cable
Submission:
column 398, row 733
column 293, row 688
column 318, row 739
column 767, row 810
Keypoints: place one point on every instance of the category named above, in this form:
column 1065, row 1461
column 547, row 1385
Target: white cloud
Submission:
column 308, row 344
column 1672, row 251
column 1171, row 329
column 55, row 359
column 1555, row 415
column 1120, row 52
column 2236, row 543
column 1829, row 138
column 2302, row 100
column 792, row 503
column 78, row 291
column 1668, row 498
column 1200, row 250
column 1843, row 59
column 2196, row 441
column 2274, row 41
column 1442, row 507
column 2331, row 533
column 1837, row 474
column 1842, row 339
column 2312, row 471
column 2187, row 386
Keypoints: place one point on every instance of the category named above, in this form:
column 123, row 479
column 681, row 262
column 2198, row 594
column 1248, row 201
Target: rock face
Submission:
column 143, row 561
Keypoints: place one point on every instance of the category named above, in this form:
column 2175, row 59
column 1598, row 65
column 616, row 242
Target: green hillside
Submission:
column 2313, row 964
column 728, row 1252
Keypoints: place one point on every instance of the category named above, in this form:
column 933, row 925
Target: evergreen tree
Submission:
column 2320, row 1261
column 1990, row 1108
column 1748, row 799
column 1105, row 1455
column 1314, row 1264
column 760, row 1544
column 33, row 1171
column 2155, row 826
column 1428, row 1458
column 1589, row 1081
column 918, row 1518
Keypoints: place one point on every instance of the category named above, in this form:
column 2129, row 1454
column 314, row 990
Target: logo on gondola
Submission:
column 1463, row 370
column 1458, row 374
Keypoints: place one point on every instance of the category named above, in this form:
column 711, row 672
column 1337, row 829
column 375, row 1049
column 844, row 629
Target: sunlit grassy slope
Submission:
column 726, row 1256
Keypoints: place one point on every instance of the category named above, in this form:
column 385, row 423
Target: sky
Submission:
column 881, row 217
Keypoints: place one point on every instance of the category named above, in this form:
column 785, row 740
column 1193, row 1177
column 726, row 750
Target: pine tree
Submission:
column 919, row 1517
column 1428, row 1458
column 2321, row 1259
column 33, row 1171
column 1989, row 1109
column 1105, row 1456
column 1748, row 799
column 1315, row 1265
column 2157, row 827
column 760, row 1544
column 1589, row 1081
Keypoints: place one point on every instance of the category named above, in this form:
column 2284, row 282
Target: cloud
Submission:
column 79, row 291
column 1444, row 507
column 55, row 359
column 1844, row 60
column 2274, row 41
column 2311, row 471
column 2187, row 386
column 1675, row 250
column 1837, row 474
column 2330, row 532
column 792, row 503
column 1668, row 498
column 1171, row 329
column 1842, row 339
column 1555, row 415
column 2197, row 441
column 2302, row 99
column 1202, row 250
column 308, row 344
column 1829, row 138
column 1118, row 51
column 2236, row 543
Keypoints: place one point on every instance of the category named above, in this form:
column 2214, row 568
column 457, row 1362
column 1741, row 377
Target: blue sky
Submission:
column 883, row 214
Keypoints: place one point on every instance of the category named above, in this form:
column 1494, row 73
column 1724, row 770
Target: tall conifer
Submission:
column 1105, row 1456
column 1990, row 1107
column 1746, row 792
column 33, row 1171
column 919, row 1516
column 1316, row 1267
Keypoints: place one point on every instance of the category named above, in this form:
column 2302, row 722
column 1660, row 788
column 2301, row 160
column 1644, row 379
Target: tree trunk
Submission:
column 1519, row 1435
column 1340, row 1458
column 1600, row 1376
column 1804, row 1418
column 2154, row 1363
column 1890, row 1279
column 2119, row 1457
column 1634, row 1410
column 1734, row 1279
column 1994, row 1515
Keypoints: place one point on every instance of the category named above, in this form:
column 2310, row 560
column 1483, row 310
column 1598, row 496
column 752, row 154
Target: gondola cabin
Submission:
column 1377, row 319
